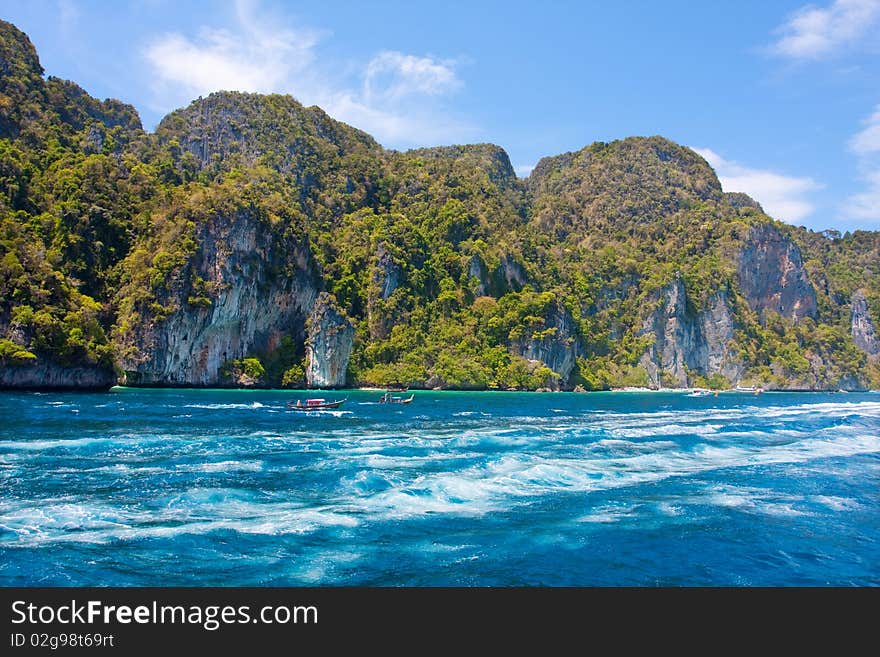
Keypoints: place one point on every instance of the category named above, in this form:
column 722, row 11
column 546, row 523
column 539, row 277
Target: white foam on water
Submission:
column 318, row 568
column 38, row 445
column 761, row 501
column 252, row 405
column 511, row 479
column 687, row 417
column 223, row 466
column 669, row 509
column 198, row 511
column 608, row 513
column 402, row 486
column 322, row 412
column 667, row 430
column 837, row 503
column 389, row 462
column 127, row 440
column 632, row 446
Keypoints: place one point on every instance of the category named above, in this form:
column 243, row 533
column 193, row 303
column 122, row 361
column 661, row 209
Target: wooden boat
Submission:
column 397, row 388
column 388, row 398
column 316, row 404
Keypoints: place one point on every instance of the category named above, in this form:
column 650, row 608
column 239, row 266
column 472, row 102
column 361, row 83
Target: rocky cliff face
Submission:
column 772, row 277
column 863, row 332
column 557, row 346
column 508, row 276
column 45, row 375
column 385, row 277
column 688, row 341
column 330, row 338
column 240, row 293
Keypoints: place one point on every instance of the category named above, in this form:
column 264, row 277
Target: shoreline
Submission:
column 318, row 391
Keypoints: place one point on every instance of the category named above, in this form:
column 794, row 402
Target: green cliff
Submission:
column 254, row 241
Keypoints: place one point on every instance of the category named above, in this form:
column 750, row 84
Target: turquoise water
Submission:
column 216, row 487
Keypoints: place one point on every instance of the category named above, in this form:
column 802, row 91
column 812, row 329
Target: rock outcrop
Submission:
column 508, row 276
column 277, row 129
column 386, row 277
column 741, row 200
column 479, row 273
column 863, row 333
column 557, row 346
column 43, row 375
column 772, row 277
column 688, row 341
column 328, row 348
column 240, row 293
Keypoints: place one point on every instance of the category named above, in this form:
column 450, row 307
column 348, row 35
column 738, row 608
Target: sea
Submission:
column 138, row 487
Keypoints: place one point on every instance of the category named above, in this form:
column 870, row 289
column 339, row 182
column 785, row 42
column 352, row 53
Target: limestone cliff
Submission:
column 330, row 338
column 557, row 346
column 508, row 276
column 242, row 290
column 386, row 276
column 687, row 341
column 772, row 277
column 863, row 332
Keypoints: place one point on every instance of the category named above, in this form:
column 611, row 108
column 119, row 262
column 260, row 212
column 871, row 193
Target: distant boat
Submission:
column 752, row 389
column 315, row 404
column 700, row 392
column 397, row 388
column 388, row 398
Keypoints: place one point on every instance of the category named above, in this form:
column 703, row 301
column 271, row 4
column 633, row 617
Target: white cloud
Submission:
column 868, row 140
column 255, row 57
column 864, row 206
column 782, row 197
column 523, row 170
column 403, row 126
column 812, row 32
column 393, row 75
column 396, row 97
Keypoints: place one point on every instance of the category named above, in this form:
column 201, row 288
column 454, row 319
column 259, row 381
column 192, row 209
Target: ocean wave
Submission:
column 497, row 484
column 198, row 511
column 347, row 473
column 227, row 406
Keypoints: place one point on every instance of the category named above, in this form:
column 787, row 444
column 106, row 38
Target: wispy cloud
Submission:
column 813, row 32
column 864, row 206
column 393, row 75
column 397, row 97
column 782, row 197
column 256, row 56
column 868, row 140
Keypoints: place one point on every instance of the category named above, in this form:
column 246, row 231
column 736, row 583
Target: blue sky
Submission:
column 781, row 97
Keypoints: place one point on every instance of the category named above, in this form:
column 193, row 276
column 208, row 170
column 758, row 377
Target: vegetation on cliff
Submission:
column 453, row 272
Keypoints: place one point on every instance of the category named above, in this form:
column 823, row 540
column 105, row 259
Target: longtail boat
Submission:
column 315, row 404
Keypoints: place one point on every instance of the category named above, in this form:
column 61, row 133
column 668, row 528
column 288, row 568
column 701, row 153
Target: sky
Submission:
column 781, row 98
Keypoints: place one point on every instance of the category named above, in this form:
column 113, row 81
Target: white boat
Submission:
column 700, row 392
